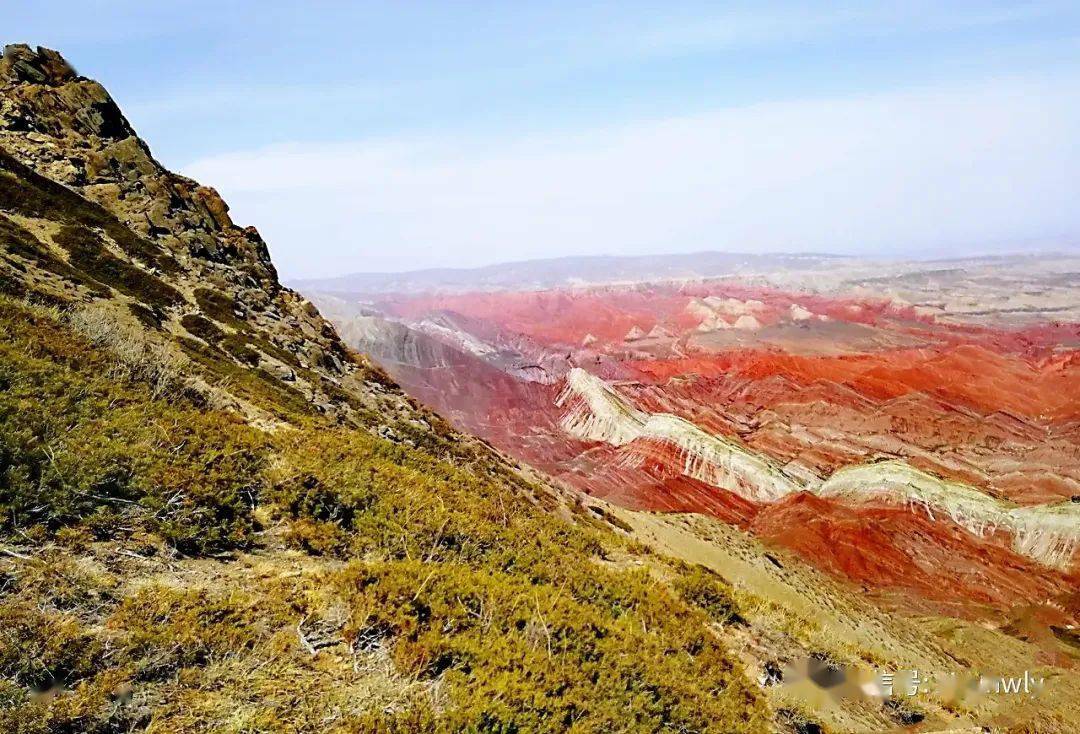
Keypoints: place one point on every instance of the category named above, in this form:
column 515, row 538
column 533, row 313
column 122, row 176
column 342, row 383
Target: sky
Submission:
column 368, row 136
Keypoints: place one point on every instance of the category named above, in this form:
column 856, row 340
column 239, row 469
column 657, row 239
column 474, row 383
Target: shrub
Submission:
column 88, row 253
column 470, row 585
column 219, row 306
column 703, row 588
column 39, row 650
column 146, row 316
column 237, row 346
column 203, row 328
column 80, row 446
column 167, row 628
column 518, row 656
column 138, row 357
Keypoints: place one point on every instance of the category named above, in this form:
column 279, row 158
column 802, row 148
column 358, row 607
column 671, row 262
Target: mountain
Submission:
column 566, row 271
column 215, row 516
column 905, row 434
column 690, row 504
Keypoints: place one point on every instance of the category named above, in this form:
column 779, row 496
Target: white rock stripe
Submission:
column 595, row 411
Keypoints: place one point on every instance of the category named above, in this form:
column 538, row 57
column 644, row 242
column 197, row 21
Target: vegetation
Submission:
column 29, row 194
column 704, row 588
column 18, row 241
column 369, row 585
column 219, row 306
column 203, row 328
column 87, row 251
column 78, row 447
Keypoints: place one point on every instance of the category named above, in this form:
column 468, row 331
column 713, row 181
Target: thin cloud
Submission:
column 875, row 174
column 783, row 24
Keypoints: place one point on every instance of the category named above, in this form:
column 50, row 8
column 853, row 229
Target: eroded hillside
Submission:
column 904, row 448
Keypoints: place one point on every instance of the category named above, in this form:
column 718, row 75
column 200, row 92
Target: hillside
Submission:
column 216, row 517
column 859, row 441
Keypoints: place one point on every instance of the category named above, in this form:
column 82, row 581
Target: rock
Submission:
column 216, row 207
column 68, row 129
column 748, row 323
column 332, row 363
column 798, row 313
column 283, row 373
column 22, row 64
column 771, row 674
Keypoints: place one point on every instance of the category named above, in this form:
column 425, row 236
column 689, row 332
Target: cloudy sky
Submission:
column 388, row 136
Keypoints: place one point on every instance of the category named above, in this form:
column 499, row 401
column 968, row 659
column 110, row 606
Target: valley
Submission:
column 912, row 441
column 663, row 493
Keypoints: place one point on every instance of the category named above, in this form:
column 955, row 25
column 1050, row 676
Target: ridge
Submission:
column 160, row 244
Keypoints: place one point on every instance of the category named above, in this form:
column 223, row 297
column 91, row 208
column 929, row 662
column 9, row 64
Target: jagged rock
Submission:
column 215, row 206
column 68, row 129
column 283, row 373
column 333, row 363
column 22, row 64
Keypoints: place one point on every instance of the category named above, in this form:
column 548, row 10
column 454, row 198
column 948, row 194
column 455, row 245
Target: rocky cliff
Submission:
column 99, row 218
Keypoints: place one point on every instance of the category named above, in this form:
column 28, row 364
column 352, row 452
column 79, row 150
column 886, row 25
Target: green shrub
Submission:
column 80, row 448
column 166, row 629
column 203, row 328
column 514, row 655
column 237, row 346
column 39, row 650
column 220, row 307
column 146, row 316
column 703, row 588
column 470, row 584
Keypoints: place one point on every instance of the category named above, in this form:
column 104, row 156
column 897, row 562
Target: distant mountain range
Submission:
column 568, row 271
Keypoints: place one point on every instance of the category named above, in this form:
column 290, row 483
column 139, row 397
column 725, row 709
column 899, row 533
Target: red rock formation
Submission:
column 994, row 408
column 892, row 548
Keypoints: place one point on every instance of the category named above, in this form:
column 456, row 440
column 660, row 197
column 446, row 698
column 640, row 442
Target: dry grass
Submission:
column 424, row 592
column 137, row 355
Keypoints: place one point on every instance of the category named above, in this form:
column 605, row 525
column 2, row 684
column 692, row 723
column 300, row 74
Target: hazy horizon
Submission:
column 1066, row 247
column 377, row 137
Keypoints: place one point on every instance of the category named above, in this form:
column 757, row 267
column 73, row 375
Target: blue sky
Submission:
column 387, row 136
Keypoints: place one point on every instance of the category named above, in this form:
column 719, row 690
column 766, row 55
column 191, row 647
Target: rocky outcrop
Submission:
column 1047, row 533
column 594, row 411
column 69, row 129
column 154, row 241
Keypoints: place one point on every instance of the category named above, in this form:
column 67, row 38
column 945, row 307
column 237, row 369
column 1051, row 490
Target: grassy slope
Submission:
column 180, row 568
column 792, row 610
